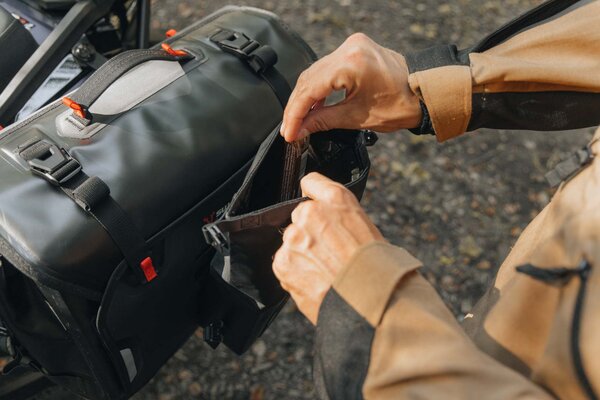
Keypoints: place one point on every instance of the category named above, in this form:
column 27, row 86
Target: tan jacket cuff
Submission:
column 447, row 93
column 370, row 278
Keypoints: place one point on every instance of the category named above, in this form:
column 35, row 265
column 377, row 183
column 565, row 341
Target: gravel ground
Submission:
column 458, row 206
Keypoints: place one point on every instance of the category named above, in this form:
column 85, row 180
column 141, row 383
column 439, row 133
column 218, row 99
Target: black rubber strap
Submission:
column 561, row 276
column 93, row 196
column 112, row 70
column 260, row 58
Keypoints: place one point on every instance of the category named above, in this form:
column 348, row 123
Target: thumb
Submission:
column 325, row 119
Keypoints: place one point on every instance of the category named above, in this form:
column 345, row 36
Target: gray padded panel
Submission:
column 16, row 46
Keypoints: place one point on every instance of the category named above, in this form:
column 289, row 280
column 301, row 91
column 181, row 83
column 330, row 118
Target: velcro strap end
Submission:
column 91, row 192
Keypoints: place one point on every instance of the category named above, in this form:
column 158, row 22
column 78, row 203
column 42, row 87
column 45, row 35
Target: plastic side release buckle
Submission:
column 235, row 43
column 259, row 57
column 213, row 334
column 214, row 236
column 566, row 169
column 49, row 161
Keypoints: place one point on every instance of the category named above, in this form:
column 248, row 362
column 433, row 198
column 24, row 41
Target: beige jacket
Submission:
column 384, row 333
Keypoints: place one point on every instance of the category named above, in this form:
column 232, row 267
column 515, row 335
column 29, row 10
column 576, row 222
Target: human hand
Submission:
column 324, row 234
column 378, row 96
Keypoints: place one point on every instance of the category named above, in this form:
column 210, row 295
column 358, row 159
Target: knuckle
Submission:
column 319, row 124
column 303, row 211
column 303, row 79
column 291, row 234
column 280, row 263
column 336, row 194
column 358, row 37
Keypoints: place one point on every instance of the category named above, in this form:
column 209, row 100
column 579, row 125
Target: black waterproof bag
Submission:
column 105, row 271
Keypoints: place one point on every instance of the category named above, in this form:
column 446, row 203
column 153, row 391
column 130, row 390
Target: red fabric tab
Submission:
column 170, row 33
column 148, row 267
column 173, row 52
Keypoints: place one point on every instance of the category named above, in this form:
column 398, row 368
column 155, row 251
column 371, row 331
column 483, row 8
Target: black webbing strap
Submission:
column 112, row 70
column 561, row 276
column 260, row 58
column 93, row 196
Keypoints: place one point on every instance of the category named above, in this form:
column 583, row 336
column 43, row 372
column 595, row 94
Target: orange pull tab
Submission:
column 170, row 33
column 147, row 267
column 173, row 52
column 76, row 107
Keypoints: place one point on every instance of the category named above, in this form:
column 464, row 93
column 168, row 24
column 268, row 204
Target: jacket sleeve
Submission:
column 538, row 72
column 383, row 333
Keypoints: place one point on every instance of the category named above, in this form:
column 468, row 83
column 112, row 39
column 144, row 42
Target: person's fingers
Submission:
column 325, row 119
column 319, row 187
column 313, row 86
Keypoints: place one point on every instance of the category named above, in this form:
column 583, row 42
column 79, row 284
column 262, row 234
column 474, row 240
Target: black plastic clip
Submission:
column 213, row 334
column 214, row 236
column 566, row 169
column 258, row 57
column 370, row 137
column 49, row 161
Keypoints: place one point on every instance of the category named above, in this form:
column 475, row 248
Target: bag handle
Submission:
column 81, row 101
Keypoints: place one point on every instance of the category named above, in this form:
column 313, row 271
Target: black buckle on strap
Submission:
column 215, row 236
column 567, row 168
column 259, row 57
column 235, row 43
column 50, row 162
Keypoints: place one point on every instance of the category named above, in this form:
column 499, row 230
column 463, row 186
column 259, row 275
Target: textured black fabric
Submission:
column 34, row 151
column 91, row 192
column 541, row 111
column 343, row 349
column 433, row 57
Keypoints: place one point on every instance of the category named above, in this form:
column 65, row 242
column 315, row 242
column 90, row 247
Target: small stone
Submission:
column 484, row 265
column 417, row 29
column 515, row 231
column 397, row 166
column 444, row 8
column 185, row 375
column 195, row 389
column 257, row 393
column 259, row 349
column 446, row 261
column 447, row 283
column 469, row 247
